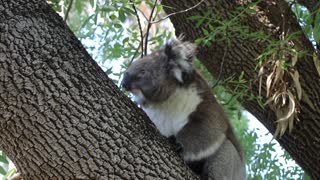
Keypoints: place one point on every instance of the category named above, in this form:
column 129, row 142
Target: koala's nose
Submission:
column 125, row 83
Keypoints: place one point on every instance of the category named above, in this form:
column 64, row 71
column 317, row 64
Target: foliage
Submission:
column 218, row 29
column 276, row 63
column 309, row 21
column 222, row 31
column 277, row 66
column 5, row 172
column 4, row 161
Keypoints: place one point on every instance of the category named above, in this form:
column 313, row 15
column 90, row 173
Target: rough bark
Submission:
column 61, row 117
column 304, row 142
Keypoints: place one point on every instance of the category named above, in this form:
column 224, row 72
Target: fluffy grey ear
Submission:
column 180, row 55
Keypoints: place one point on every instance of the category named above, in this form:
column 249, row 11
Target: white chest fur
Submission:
column 171, row 115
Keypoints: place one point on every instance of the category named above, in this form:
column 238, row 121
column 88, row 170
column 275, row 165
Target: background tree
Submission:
column 103, row 29
column 273, row 18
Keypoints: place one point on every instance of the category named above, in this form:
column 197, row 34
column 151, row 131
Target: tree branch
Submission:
column 175, row 13
column 221, row 67
column 143, row 14
column 148, row 27
column 68, row 10
column 140, row 29
column 302, row 143
column 101, row 136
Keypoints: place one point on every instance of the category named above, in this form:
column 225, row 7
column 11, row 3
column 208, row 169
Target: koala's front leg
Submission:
column 199, row 144
column 177, row 146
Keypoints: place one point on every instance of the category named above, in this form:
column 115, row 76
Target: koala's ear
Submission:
column 180, row 56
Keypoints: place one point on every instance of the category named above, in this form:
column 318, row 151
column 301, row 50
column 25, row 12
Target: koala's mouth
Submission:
column 138, row 96
column 135, row 91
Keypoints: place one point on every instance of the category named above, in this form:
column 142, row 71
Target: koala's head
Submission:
column 155, row 77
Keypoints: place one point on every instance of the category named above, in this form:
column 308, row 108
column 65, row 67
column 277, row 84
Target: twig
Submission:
column 135, row 54
column 140, row 28
column 143, row 14
column 179, row 12
column 231, row 98
column 68, row 10
column 148, row 27
column 221, row 67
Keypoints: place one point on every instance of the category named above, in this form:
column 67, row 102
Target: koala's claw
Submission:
column 179, row 148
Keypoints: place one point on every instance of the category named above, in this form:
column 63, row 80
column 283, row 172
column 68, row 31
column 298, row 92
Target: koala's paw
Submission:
column 179, row 148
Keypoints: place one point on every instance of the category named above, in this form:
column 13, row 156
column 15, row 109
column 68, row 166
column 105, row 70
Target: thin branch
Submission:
column 229, row 101
column 221, row 67
column 148, row 27
column 179, row 12
column 68, row 10
column 143, row 14
column 135, row 54
column 140, row 28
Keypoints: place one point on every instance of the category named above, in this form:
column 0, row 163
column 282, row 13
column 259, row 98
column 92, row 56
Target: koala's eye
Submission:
column 142, row 72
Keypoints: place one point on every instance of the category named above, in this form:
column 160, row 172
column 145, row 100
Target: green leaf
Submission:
column 78, row 5
column 195, row 17
column 3, row 159
column 10, row 173
column 113, row 17
column 125, row 40
column 122, row 16
column 85, row 22
column 107, row 9
column 316, row 29
column 109, row 71
column 205, row 32
column 92, row 3
column 95, row 18
column 2, row 171
column 117, row 25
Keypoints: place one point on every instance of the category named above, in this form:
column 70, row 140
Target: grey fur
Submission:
column 207, row 130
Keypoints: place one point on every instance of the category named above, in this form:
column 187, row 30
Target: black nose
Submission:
column 125, row 83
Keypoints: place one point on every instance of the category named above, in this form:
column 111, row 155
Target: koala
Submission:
column 180, row 103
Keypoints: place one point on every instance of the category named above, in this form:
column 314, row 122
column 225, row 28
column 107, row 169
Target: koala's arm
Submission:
column 208, row 142
column 205, row 131
column 198, row 139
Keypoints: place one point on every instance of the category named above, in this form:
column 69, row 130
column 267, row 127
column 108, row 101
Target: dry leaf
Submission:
column 316, row 62
column 260, row 85
column 294, row 59
column 270, row 100
column 276, row 98
column 307, row 100
column 291, row 120
column 289, row 109
column 278, row 73
column 269, row 81
column 261, row 71
column 295, row 76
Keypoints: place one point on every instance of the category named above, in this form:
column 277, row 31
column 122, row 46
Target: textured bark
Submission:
column 60, row 116
column 303, row 143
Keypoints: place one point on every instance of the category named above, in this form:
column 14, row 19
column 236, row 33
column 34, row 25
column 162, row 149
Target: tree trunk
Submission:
column 303, row 144
column 61, row 117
